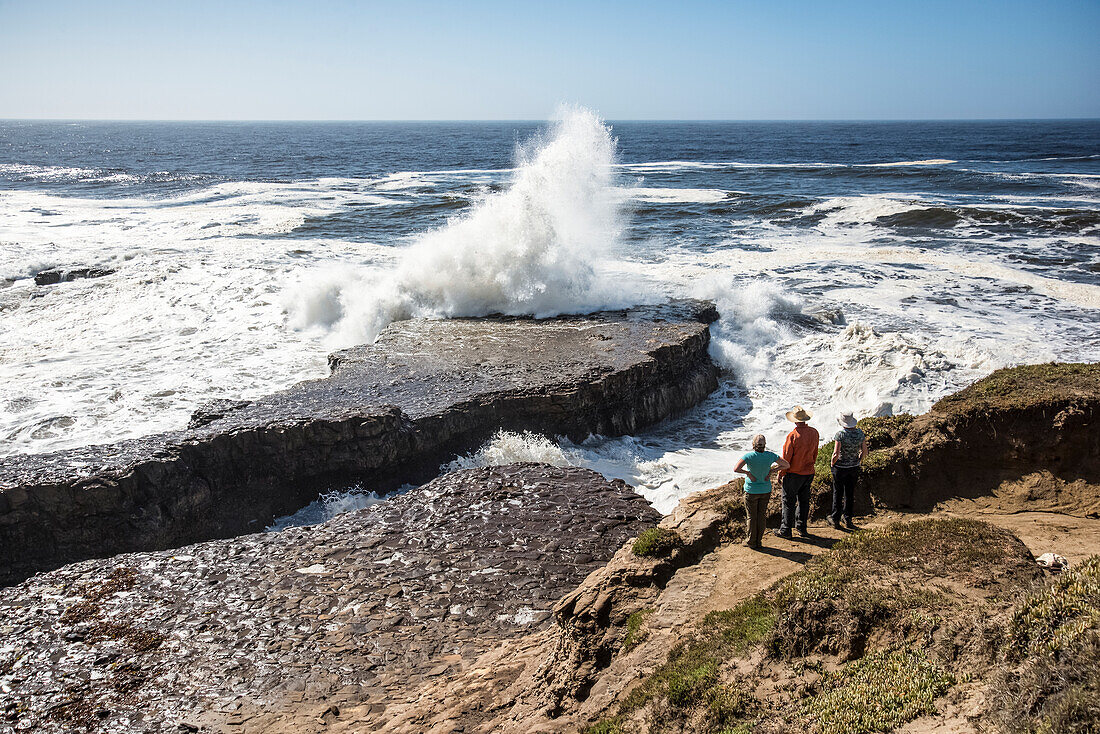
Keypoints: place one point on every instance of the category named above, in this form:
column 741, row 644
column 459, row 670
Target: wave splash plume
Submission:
column 534, row 248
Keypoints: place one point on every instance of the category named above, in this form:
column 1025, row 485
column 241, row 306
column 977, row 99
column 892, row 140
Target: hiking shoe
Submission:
column 783, row 534
column 835, row 523
column 803, row 533
column 851, row 525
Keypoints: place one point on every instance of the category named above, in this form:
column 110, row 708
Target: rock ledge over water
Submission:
column 389, row 414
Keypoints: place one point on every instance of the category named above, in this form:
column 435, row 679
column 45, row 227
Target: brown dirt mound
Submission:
column 1022, row 435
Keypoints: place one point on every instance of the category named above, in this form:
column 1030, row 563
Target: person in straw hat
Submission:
column 800, row 451
column 849, row 452
column 757, row 466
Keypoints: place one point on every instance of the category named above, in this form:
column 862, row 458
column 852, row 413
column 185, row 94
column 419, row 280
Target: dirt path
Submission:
column 1076, row 538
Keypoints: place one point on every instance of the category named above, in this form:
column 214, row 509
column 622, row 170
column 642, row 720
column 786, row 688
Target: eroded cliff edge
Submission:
column 390, row 413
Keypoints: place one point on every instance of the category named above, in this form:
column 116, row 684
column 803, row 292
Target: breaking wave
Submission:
column 534, row 248
column 506, row 447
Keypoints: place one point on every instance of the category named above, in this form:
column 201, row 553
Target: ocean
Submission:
column 866, row 267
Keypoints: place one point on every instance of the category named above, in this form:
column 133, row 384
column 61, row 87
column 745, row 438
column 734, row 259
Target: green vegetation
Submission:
column 605, row 726
column 1018, row 387
column 1051, row 683
column 747, row 623
column 883, row 432
column 634, row 632
column 878, row 692
column 1056, row 617
column 656, row 543
column 823, row 476
column 690, row 675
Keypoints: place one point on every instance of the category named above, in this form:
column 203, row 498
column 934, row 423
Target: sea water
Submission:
column 865, row 267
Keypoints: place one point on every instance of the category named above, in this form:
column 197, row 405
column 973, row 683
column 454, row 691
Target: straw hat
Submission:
column 799, row 414
column 847, row 420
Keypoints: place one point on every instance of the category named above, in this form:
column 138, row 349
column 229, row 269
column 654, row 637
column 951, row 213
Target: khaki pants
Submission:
column 756, row 511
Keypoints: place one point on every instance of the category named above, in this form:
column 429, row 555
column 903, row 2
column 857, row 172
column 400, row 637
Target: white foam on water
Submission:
column 507, row 447
column 329, row 505
column 926, row 162
column 193, row 312
column 535, row 248
column 751, row 323
column 678, row 196
column 842, row 210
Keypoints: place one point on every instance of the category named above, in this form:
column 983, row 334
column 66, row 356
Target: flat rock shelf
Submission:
column 263, row 628
column 390, row 413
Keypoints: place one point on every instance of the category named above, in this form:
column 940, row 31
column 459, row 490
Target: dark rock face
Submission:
column 64, row 275
column 390, row 413
column 357, row 610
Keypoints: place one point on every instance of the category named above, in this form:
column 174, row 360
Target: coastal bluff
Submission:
column 390, row 413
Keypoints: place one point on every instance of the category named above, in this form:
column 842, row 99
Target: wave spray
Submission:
column 535, row 248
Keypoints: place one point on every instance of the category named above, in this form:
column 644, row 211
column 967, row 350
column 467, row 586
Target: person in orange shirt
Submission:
column 800, row 450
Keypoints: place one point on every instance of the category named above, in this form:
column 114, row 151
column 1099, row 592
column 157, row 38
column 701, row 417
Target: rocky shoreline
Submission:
column 521, row 598
column 389, row 414
column 359, row 610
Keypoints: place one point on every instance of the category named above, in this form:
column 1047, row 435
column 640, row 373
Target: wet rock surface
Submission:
column 389, row 414
column 65, row 275
column 227, row 634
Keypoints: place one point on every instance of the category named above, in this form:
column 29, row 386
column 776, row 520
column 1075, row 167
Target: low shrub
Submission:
column 884, row 431
column 840, row 595
column 690, row 674
column 1051, row 682
column 878, row 692
column 634, row 632
column 1053, row 618
column 656, row 543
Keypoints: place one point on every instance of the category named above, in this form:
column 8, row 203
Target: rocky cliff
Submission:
column 390, row 413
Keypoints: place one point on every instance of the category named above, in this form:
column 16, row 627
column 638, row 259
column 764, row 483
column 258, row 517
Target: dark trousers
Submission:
column 844, row 489
column 796, row 494
column 756, row 512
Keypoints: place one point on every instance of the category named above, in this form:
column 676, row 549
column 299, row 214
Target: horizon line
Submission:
column 538, row 121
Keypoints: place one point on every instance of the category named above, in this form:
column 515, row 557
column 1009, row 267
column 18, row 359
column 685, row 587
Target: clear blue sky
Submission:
column 322, row 60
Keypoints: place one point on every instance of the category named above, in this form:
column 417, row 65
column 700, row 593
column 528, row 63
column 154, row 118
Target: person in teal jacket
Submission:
column 757, row 466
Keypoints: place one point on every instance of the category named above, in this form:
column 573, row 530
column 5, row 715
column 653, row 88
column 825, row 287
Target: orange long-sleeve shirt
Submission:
column 800, row 449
